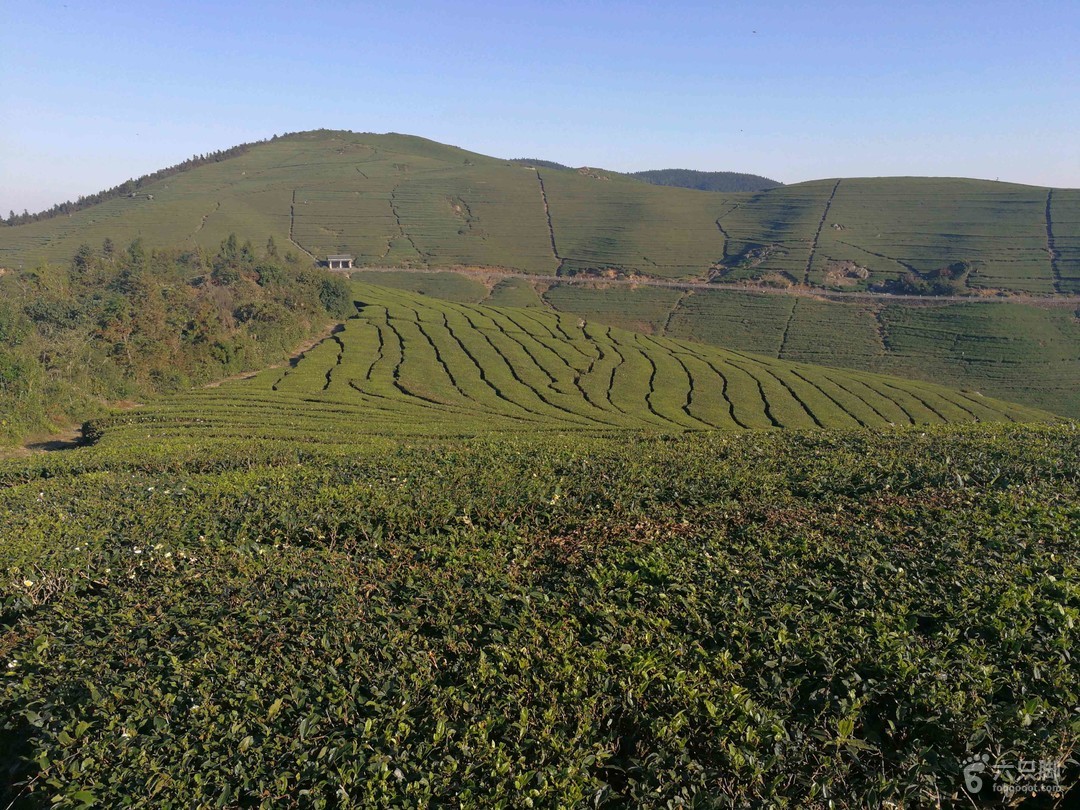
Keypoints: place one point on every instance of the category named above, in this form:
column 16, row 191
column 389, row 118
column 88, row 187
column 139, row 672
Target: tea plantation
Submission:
column 411, row 364
column 713, row 619
column 402, row 201
column 499, row 557
column 500, row 541
column 1021, row 352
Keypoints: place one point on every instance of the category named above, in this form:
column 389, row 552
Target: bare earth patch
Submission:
column 845, row 273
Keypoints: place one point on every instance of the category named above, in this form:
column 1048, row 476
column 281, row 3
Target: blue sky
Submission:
column 95, row 92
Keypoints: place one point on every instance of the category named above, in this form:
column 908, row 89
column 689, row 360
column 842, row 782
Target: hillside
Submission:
column 1021, row 352
column 405, row 201
column 706, row 181
column 396, row 200
column 407, row 364
column 123, row 323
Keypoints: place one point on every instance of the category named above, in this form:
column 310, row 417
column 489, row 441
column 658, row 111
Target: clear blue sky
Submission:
column 95, row 92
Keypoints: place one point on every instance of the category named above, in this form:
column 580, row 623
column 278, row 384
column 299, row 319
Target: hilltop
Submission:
column 404, row 201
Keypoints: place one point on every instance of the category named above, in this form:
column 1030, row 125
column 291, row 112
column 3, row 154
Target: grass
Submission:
column 641, row 309
column 447, row 286
column 514, row 292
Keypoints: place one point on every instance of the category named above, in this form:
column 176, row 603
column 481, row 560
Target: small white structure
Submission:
column 339, row 261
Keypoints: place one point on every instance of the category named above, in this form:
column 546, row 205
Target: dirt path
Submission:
column 1051, row 248
column 817, row 234
column 559, row 261
column 292, row 226
column 67, row 438
column 798, row 290
column 292, row 360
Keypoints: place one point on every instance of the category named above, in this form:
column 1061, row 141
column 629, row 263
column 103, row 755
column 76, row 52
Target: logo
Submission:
column 1009, row 778
column 972, row 768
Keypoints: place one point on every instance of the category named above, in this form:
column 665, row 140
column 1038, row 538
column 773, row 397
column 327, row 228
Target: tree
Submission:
column 247, row 254
column 271, row 247
column 336, row 297
column 137, row 253
column 80, row 262
column 229, row 249
column 108, row 248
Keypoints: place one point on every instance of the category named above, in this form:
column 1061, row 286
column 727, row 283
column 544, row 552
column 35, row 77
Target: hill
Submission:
column 1021, row 352
column 396, row 200
column 404, row 201
column 408, row 364
column 676, row 178
column 706, row 181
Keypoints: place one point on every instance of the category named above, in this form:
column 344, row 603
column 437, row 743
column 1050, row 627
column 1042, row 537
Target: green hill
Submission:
column 1020, row 352
column 405, row 201
column 408, row 364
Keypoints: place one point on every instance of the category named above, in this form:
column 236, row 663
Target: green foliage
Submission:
column 336, row 296
column 14, row 324
column 15, row 375
column 126, row 325
column 715, row 620
column 51, row 316
column 949, row 280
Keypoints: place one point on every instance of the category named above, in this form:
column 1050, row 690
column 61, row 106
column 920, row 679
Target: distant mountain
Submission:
column 541, row 164
column 706, row 181
column 675, row 178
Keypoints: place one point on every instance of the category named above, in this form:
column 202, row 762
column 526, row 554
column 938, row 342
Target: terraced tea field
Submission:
column 395, row 200
column 1015, row 351
column 408, row 364
column 855, row 233
column 1019, row 352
